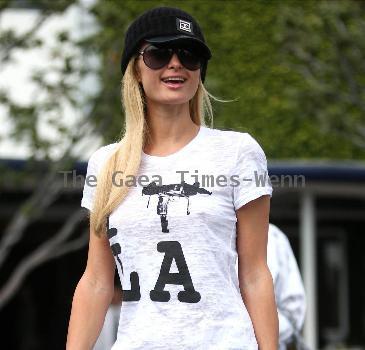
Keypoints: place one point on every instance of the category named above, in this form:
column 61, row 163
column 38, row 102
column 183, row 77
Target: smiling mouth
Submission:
column 173, row 81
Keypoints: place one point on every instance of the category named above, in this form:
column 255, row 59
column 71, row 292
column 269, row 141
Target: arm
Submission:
column 92, row 296
column 255, row 279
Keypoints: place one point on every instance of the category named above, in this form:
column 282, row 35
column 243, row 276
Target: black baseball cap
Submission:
column 165, row 25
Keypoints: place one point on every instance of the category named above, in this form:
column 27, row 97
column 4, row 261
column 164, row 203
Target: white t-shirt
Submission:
column 174, row 242
column 108, row 333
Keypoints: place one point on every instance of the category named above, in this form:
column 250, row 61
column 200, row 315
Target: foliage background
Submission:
column 257, row 60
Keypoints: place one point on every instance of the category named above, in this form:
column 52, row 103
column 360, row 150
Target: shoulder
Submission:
column 103, row 152
column 232, row 139
column 99, row 157
column 225, row 134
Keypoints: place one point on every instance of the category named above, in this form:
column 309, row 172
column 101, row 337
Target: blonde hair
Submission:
column 126, row 158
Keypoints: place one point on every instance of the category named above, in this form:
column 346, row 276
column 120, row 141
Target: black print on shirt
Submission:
column 111, row 232
column 173, row 250
column 134, row 294
column 166, row 192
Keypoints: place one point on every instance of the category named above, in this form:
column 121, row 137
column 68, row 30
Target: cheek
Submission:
column 194, row 81
column 149, row 82
column 195, row 77
column 151, row 88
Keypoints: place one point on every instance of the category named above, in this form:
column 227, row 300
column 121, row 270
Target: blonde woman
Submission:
column 176, row 203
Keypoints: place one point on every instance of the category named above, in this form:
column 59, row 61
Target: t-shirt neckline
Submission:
column 178, row 153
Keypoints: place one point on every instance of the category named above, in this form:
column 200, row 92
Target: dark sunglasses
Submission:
column 157, row 57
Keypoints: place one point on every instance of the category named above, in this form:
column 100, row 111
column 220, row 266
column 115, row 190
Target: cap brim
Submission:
column 200, row 45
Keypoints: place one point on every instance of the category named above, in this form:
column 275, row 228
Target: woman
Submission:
column 175, row 203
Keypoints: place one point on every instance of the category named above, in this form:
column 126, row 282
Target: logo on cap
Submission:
column 185, row 26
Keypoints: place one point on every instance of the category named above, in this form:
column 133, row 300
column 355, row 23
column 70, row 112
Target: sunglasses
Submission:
column 157, row 57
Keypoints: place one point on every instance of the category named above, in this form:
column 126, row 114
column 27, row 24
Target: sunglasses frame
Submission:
column 175, row 50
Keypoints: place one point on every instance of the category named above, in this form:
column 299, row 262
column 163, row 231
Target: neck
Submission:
column 170, row 127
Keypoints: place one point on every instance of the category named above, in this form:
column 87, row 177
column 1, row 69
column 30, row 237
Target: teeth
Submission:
column 174, row 79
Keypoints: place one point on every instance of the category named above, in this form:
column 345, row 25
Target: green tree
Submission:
column 323, row 42
column 249, row 63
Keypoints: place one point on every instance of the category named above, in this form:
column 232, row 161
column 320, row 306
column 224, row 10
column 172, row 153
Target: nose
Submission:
column 174, row 62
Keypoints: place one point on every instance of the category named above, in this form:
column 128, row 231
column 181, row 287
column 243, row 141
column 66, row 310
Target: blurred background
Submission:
column 297, row 72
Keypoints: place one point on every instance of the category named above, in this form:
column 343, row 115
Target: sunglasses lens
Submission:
column 189, row 59
column 155, row 57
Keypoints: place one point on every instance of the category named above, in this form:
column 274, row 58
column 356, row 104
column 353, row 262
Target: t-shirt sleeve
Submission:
column 250, row 171
column 90, row 182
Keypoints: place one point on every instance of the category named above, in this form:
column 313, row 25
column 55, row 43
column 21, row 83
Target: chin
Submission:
column 178, row 100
